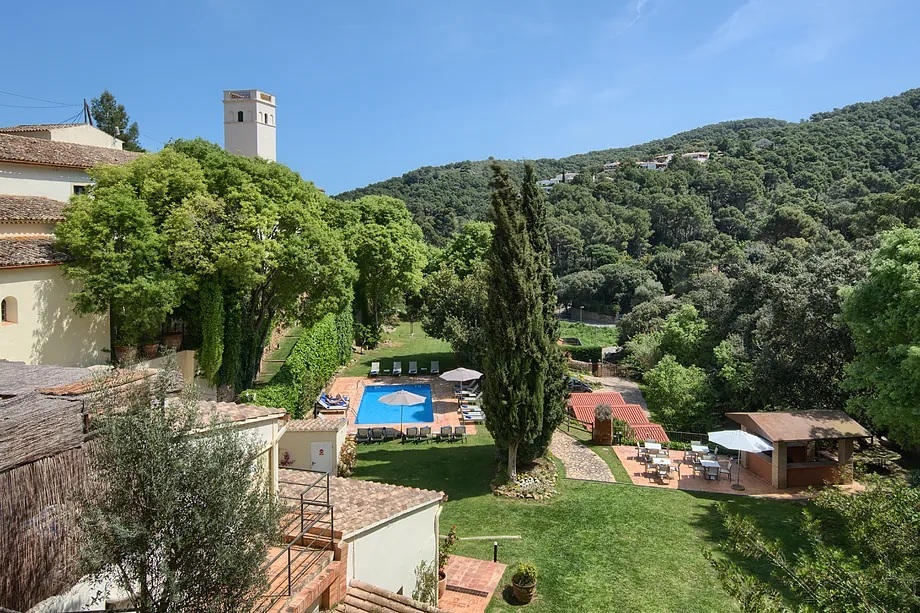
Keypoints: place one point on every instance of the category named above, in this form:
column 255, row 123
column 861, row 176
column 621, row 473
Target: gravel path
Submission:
column 580, row 462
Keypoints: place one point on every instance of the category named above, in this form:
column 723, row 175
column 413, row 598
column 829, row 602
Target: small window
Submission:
column 260, row 117
column 8, row 311
column 79, row 189
column 271, row 119
column 239, row 115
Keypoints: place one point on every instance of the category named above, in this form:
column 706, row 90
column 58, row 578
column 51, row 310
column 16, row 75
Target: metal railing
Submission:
column 310, row 534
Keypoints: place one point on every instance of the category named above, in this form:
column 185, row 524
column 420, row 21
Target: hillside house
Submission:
column 41, row 167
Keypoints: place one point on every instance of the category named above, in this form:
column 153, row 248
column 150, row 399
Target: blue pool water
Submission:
column 372, row 411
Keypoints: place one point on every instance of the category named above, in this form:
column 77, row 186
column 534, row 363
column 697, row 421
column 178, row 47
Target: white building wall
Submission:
column 26, row 228
column 255, row 135
column 387, row 555
column 297, row 445
column 48, row 331
column 47, row 181
column 84, row 134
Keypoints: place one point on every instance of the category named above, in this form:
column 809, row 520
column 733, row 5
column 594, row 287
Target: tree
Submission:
column 514, row 362
column 678, row 396
column 883, row 313
column 455, row 310
column 859, row 552
column 682, row 333
column 111, row 117
column 180, row 515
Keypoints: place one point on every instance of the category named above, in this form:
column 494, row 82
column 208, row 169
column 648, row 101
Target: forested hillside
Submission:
column 728, row 274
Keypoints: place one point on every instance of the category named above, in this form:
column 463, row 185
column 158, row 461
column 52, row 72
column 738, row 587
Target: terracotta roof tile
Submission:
column 364, row 597
column 94, row 383
column 360, row 504
column 230, row 411
column 30, row 208
column 801, row 425
column 54, row 153
column 320, row 424
column 29, row 250
column 630, row 413
column 649, row 431
column 592, row 399
column 37, row 127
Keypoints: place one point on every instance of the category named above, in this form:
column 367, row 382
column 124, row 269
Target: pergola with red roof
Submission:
column 582, row 404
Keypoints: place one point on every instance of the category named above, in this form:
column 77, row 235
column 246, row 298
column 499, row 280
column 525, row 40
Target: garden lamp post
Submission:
column 582, row 313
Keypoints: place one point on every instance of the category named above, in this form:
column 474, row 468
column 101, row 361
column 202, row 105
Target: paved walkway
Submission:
column 470, row 584
column 580, row 462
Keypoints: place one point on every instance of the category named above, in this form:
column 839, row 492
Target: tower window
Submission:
column 239, row 115
column 260, row 117
column 272, row 119
column 8, row 310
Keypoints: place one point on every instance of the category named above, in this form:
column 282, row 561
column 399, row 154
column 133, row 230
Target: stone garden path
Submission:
column 580, row 462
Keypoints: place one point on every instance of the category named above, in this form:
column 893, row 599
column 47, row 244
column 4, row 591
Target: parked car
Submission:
column 577, row 385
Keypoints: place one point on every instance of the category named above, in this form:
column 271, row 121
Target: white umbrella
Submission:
column 403, row 399
column 739, row 441
column 461, row 375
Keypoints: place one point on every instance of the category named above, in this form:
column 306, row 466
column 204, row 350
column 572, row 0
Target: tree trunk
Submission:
column 512, row 460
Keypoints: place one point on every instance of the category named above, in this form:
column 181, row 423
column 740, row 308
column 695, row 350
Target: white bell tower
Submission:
column 249, row 123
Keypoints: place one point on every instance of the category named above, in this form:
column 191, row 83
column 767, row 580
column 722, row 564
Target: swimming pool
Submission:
column 372, row 411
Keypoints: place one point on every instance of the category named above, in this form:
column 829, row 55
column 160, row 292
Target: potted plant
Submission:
column 125, row 343
column 524, row 582
column 446, row 546
column 150, row 345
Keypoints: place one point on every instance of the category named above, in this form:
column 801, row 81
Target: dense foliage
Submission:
column 316, row 355
column 112, row 118
column 181, row 520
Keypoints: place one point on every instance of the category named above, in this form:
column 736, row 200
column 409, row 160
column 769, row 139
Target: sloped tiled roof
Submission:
column 230, row 411
column 54, row 153
column 649, row 431
column 320, row 424
column 811, row 425
column 361, row 504
column 30, row 208
column 592, row 399
column 630, row 413
column 28, row 250
column 37, row 127
column 366, row 598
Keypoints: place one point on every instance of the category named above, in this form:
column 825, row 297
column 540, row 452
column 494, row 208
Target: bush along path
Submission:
column 580, row 462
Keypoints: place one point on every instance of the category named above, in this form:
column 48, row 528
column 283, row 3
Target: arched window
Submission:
column 8, row 311
column 271, row 119
column 260, row 117
column 239, row 115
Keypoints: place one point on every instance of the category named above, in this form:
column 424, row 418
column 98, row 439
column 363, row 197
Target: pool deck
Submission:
column 443, row 402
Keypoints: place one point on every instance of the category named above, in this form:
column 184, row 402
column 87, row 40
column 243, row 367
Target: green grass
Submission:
column 592, row 336
column 277, row 357
column 606, row 453
column 400, row 345
column 598, row 547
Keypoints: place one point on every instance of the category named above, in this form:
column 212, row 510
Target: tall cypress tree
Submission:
column 534, row 208
column 515, row 357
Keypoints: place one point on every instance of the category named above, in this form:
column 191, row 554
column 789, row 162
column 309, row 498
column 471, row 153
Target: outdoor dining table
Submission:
column 708, row 464
column 653, row 446
column 660, row 461
column 699, row 448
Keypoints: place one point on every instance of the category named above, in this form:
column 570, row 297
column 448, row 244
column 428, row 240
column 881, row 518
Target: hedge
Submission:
column 315, row 357
column 583, row 353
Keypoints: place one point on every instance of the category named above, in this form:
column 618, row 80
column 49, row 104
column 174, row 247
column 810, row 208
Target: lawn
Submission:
column 277, row 357
column 591, row 336
column 598, row 547
column 401, row 345
column 606, row 453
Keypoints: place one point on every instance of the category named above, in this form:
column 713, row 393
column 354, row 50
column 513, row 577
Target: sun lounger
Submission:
column 445, row 434
column 413, row 368
column 459, row 434
column 397, row 369
column 435, row 368
column 363, row 436
column 323, row 404
column 411, row 435
column 424, row 434
column 335, row 401
column 375, row 369
column 391, row 434
column 474, row 416
column 377, row 435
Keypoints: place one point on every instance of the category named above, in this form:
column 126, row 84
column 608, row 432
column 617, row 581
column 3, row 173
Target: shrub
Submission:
column 583, row 353
column 446, row 547
column 348, row 458
column 525, row 574
column 426, row 583
column 602, row 412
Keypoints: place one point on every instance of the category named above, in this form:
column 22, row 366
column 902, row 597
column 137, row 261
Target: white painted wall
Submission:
column 255, row 135
column 297, row 445
column 48, row 331
column 26, row 228
column 33, row 180
column 372, row 555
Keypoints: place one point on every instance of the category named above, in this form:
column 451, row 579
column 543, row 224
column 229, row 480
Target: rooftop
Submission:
column 372, row 599
column 30, row 208
column 38, row 127
column 232, row 412
column 320, row 424
column 359, row 505
column 53, row 153
column 29, row 250
column 801, row 425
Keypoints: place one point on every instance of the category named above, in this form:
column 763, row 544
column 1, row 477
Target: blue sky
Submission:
column 370, row 90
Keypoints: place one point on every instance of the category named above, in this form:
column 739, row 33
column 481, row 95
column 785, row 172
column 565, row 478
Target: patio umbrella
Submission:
column 461, row 375
column 403, row 399
column 739, row 441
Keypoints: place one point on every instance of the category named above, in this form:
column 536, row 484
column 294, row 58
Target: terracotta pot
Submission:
column 172, row 340
column 125, row 353
column 523, row 593
column 442, row 583
column 151, row 350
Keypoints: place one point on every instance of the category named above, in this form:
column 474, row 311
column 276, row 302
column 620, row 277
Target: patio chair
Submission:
column 459, row 434
column 413, row 368
column 445, row 434
column 664, row 472
column 375, row 369
column 377, row 435
column 435, row 368
column 363, row 436
column 411, row 435
column 650, row 440
column 697, row 443
column 726, row 470
column 391, row 434
column 397, row 369
column 424, row 434
column 712, row 472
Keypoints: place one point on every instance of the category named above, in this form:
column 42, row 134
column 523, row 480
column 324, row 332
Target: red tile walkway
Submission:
column 470, row 584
